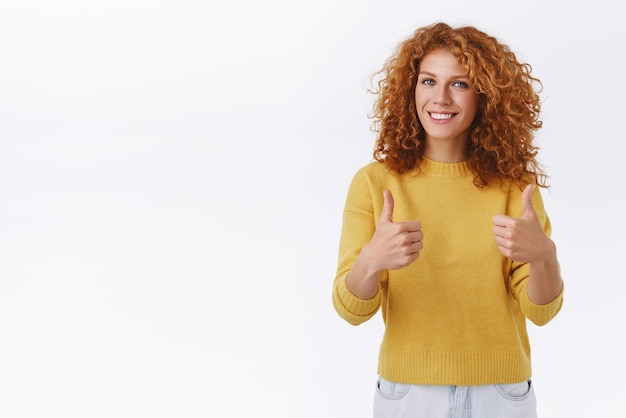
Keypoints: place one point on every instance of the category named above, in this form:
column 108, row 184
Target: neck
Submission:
column 445, row 151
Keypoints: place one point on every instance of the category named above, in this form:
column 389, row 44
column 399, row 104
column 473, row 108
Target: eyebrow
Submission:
column 453, row 77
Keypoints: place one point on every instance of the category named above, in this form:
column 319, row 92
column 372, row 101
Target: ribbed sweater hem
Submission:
column 454, row 367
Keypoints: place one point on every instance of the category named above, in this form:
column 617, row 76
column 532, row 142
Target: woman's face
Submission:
column 446, row 101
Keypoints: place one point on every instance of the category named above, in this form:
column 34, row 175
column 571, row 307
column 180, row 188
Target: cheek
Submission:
column 421, row 96
column 472, row 106
column 420, row 101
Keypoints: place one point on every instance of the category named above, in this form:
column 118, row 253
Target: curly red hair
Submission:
column 501, row 138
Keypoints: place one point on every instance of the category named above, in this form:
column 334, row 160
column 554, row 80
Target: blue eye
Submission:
column 460, row 84
column 428, row 81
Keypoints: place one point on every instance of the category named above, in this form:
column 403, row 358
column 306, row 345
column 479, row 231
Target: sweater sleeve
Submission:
column 358, row 228
column 520, row 272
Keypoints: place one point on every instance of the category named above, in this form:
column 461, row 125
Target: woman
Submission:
column 446, row 230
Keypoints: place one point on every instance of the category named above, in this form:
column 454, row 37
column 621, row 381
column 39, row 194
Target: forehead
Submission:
column 441, row 62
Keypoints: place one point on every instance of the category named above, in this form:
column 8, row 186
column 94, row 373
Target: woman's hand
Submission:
column 523, row 239
column 393, row 246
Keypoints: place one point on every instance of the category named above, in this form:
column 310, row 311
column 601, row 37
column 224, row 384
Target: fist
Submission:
column 395, row 244
column 521, row 239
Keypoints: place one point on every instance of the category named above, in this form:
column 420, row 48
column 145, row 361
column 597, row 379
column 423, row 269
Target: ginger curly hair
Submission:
column 501, row 138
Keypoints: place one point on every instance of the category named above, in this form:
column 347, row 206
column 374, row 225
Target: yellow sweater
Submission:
column 457, row 315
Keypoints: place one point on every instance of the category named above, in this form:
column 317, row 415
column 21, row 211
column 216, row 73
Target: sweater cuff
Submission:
column 354, row 309
column 541, row 314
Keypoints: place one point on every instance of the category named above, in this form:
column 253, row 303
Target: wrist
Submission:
column 546, row 254
column 368, row 263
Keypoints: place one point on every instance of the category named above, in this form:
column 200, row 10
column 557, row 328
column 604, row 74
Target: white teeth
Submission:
column 441, row 116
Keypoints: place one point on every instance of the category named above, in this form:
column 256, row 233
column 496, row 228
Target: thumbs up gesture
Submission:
column 394, row 244
column 521, row 239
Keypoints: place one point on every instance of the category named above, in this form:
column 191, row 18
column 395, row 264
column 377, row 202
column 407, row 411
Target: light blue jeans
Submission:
column 400, row 400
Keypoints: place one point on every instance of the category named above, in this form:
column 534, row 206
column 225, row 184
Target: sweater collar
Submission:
column 437, row 168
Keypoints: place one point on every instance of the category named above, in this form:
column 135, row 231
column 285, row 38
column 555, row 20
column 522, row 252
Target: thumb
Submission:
column 527, row 201
column 387, row 213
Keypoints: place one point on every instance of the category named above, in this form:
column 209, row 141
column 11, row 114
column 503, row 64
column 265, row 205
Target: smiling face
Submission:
column 446, row 105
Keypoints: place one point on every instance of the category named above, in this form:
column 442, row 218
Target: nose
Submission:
column 442, row 96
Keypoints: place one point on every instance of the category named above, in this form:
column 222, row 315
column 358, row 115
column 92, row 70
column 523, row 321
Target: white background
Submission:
column 172, row 176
